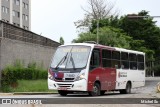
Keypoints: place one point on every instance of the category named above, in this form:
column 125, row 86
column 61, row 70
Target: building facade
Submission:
column 16, row 12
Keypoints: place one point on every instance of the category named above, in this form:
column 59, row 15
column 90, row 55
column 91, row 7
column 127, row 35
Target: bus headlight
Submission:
column 50, row 74
column 80, row 77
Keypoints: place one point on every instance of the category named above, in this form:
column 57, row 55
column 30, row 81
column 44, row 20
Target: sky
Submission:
column 55, row 18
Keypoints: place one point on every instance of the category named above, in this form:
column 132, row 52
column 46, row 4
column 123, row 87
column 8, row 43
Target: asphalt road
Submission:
column 149, row 91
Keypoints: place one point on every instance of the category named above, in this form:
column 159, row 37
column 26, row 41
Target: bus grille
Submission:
column 68, row 86
column 66, row 79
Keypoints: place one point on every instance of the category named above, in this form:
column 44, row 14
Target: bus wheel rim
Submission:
column 95, row 90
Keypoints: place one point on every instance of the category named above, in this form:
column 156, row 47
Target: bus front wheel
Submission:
column 127, row 90
column 96, row 90
column 62, row 93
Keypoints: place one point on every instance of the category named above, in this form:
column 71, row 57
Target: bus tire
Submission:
column 62, row 93
column 95, row 91
column 102, row 92
column 127, row 90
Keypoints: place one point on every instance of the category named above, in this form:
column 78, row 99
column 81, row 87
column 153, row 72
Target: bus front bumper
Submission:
column 80, row 85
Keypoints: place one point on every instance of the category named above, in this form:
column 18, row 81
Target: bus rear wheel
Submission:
column 95, row 91
column 127, row 90
column 62, row 93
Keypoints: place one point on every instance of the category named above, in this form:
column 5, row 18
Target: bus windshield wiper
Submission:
column 62, row 60
column 73, row 62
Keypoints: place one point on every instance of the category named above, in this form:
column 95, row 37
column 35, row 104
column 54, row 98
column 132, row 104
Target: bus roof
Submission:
column 105, row 47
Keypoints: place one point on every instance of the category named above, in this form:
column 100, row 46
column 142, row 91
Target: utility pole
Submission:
column 97, row 31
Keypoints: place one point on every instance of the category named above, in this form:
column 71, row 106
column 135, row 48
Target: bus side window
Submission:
column 124, row 60
column 133, row 61
column 95, row 59
column 106, row 58
column 140, row 62
column 115, row 59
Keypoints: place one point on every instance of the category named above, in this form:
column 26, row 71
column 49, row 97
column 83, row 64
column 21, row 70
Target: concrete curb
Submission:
column 3, row 94
column 27, row 93
column 34, row 93
column 156, row 95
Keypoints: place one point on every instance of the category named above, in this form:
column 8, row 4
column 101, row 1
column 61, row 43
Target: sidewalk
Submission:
column 3, row 94
column 33, row 93
column 27, row 93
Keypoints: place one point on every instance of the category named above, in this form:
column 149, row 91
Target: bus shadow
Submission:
column 87, row 95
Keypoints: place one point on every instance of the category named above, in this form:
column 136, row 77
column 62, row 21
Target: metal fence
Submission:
column 153, row 68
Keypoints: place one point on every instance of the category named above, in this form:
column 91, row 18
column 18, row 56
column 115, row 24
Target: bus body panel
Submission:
column 106, row 77
column 136, row 77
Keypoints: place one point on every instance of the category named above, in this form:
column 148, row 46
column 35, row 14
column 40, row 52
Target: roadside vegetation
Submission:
column 39, row 85
column 135, row 31
column 18, row 78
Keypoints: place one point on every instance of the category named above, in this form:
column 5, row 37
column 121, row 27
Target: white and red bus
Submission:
column 94, row 68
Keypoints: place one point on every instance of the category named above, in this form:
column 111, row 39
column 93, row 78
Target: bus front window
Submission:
column 71, row 57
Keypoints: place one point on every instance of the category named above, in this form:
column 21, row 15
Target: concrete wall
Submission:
column 12, row 50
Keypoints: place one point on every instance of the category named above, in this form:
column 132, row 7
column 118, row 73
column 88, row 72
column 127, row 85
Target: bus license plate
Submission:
column 62, row 88
column 70, row 75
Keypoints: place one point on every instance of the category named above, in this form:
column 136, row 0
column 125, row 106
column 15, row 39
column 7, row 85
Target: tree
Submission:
column 112, row 21
column 145, row 33
column 107, row 36
column 143, row 29
column 61, row 40
column 97, row 9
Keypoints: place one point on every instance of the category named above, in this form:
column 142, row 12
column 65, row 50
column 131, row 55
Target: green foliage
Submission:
column 39, row 85
column 156, row 70
column 11, row 74
column 61, row 40
column 107, row 36
column 143, row 31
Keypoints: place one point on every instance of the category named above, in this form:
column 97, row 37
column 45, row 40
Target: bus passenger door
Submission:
column 95, row 71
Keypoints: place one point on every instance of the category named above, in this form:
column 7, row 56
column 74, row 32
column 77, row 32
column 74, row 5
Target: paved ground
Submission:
column 149, row 91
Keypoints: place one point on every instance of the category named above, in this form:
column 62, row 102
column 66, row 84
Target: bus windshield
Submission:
column 68, row 57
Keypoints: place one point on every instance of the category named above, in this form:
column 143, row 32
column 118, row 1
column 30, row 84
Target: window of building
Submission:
column 17, row 2
column 26, row 6
column 23, row 4
column 26, row 17
column 3, row 9
column 124, row 60
column 7, row 10
column 16, row 14
column 133, row 61
column 23, row 16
